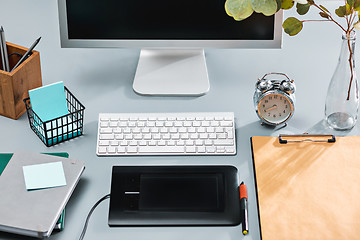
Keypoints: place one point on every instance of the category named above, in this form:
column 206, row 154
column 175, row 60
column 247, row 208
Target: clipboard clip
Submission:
column 307, row 138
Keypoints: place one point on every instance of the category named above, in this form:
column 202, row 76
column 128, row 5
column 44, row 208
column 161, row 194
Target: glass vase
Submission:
column 342, row 100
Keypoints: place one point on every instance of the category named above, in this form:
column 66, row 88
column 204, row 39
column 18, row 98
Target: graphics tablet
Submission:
column 174, row 195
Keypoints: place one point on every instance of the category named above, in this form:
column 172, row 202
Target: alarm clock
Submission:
column 274, row 98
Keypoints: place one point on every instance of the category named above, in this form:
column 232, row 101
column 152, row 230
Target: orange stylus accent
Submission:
column 243, row 191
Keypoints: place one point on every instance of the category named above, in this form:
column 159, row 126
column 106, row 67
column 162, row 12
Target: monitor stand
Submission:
column 171, row 72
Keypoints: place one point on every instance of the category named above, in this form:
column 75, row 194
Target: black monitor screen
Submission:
column 162, row 19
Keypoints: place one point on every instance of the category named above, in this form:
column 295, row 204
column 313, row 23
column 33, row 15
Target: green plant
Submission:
column 348, row 9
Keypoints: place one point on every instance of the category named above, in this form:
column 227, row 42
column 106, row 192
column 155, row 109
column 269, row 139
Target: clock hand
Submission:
column 270, row 108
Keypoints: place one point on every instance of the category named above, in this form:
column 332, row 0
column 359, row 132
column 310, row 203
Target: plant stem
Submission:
column 351, row 68
column 330, row 17
column 349, row 20
column 316, row 20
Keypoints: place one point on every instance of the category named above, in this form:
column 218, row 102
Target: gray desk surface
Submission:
column 101, row 79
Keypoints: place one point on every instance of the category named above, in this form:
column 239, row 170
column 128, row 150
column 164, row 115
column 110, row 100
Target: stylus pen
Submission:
column 244, row 208
column 27, row 54
column 4, row 54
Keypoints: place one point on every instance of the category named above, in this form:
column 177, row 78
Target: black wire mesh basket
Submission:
column 60, row 129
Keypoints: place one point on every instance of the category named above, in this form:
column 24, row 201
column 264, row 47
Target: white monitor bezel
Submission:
column 147, row 43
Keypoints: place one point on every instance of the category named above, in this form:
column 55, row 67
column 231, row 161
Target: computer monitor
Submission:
column 172, row 36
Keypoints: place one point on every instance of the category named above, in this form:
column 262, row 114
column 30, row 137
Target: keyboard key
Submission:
column 229, row 149
column 111, row 150
column 104, row 124
column 106, row 130
column 171, row 143
column 142, row 143
column 106, row 136
column 104, row 143
column 161, row 143
column 104, row 118
column 132, row 149
column 113, row 124
column 102, row 150
column 119, row 136
column 121, row 149
column 191, row 149
column 210, row 149
column 223, row 142
column 201, row 149
column 226, row 124
column 161, row 149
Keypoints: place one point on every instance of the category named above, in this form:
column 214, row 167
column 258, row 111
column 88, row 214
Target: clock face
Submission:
column 275, row 108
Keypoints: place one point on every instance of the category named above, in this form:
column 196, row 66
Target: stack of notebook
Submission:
column 44, row 205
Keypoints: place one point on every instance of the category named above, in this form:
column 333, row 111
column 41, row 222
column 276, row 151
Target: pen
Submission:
column 27, row 54
column 244, row 208
column 4, row 54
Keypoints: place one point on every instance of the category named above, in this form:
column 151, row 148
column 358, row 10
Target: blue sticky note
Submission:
column 49, row 102
column 46, row 175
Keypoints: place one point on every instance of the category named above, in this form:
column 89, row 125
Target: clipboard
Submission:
column 307, row 186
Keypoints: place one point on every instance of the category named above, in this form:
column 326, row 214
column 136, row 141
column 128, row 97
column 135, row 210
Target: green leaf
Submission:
column 302, row 9
column 324, row 15
column 324, row 8
column 287, row 4
column 238, row 9
column 266, row 7
column 311, row 2
column 351, row 3
column 357, row 5
column 292, row 26
column 341, row 11
column 348, row 9
column 278, row 4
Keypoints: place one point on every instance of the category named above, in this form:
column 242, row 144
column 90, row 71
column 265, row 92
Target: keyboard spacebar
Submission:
column 160, row 149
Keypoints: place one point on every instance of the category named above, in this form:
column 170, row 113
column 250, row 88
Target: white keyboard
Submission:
column 208, row 133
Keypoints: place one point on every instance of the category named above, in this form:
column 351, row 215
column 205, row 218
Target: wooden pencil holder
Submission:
column 14, row 86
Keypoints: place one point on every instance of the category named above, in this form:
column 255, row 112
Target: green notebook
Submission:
column 5, row 159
